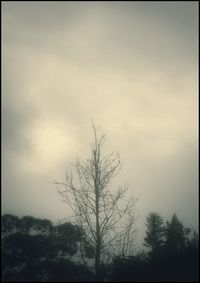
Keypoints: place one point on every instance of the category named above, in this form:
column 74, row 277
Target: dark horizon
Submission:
column 27, row 240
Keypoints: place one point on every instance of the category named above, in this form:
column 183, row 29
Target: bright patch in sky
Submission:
column 132, row 67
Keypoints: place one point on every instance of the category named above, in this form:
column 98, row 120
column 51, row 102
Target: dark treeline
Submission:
column 39, row 251
column 172, row 256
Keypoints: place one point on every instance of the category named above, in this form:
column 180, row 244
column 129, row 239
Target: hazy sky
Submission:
column 132, row 67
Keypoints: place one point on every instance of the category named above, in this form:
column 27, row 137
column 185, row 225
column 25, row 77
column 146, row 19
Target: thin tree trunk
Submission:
column 98, row 241
column 97, row 263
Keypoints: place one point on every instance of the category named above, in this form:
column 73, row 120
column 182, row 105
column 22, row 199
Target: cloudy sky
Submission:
column 132, row 67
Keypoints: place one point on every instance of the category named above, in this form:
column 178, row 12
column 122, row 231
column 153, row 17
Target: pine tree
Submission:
column 155, row 232
column 176, row 235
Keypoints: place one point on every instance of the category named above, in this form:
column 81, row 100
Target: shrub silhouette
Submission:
column 36, row 250
column 43, row 252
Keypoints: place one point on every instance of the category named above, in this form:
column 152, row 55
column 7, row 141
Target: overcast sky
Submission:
column 132, row 67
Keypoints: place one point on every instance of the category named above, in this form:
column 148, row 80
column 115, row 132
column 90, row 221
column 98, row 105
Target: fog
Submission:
column 132, row 68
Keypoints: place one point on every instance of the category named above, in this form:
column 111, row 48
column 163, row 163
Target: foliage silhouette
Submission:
column 44, row 252
column 155, row 232
column 176, row 235
column 176, row 259
column 36, row 250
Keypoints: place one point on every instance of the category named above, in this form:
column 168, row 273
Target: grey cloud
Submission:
column 17, row 113
column 27, row 194
column 108, row 33
column 132, row 66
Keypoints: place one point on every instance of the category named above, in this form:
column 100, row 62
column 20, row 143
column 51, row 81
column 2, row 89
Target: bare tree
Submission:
column 107, row 217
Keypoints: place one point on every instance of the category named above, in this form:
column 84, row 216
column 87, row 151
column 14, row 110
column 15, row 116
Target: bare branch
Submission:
column 107, row 218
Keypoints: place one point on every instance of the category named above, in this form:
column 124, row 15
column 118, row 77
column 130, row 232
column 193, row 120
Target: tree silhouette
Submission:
column 10, row 223
column 34, row 249
column 106, row 217
column 37, row 255
column 30, row 224
column 155, row 232
column 176, row 235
